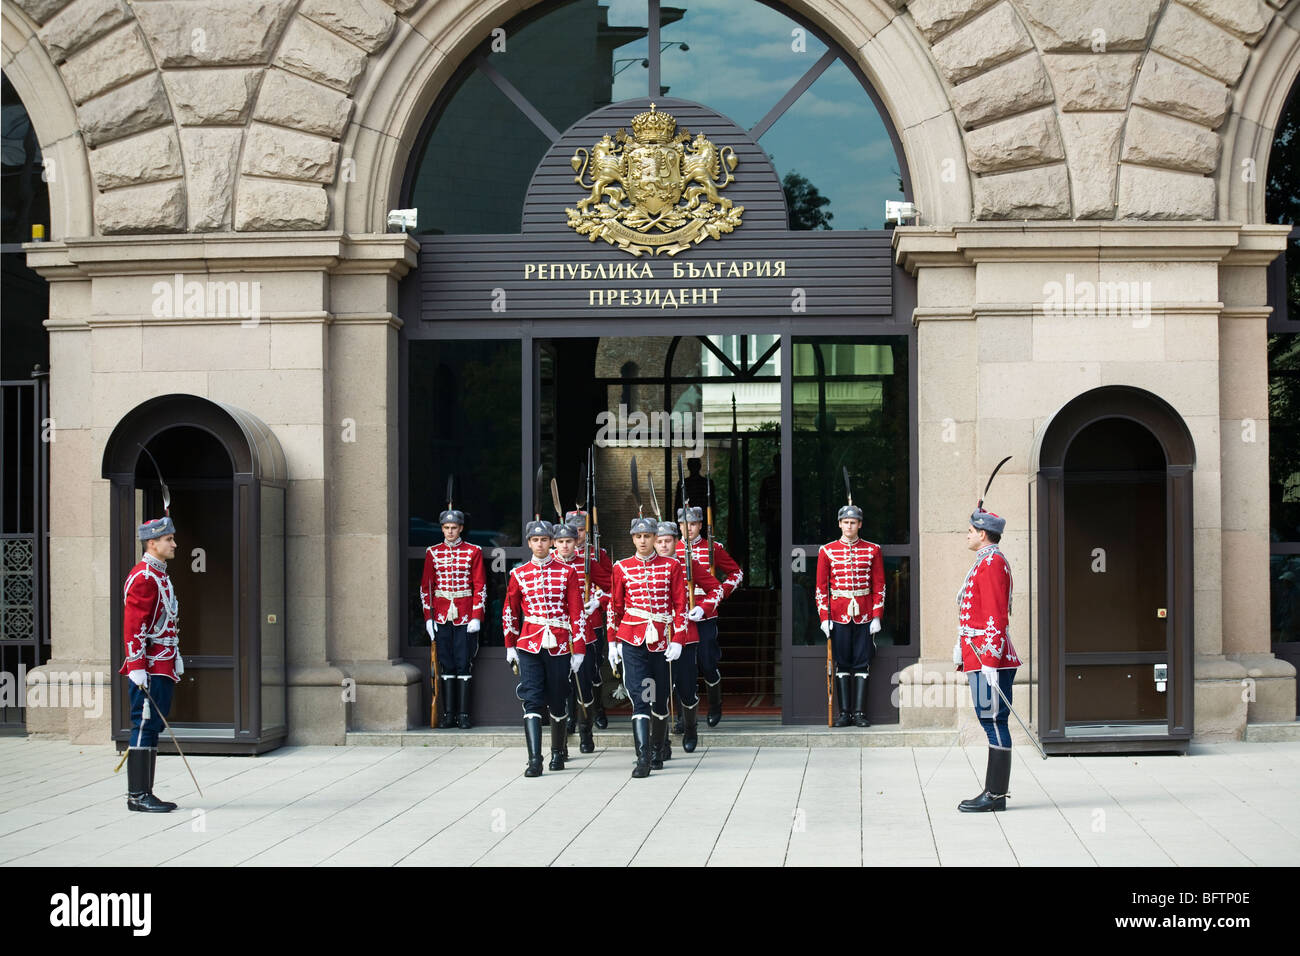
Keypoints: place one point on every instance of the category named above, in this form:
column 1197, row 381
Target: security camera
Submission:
column 402, row 220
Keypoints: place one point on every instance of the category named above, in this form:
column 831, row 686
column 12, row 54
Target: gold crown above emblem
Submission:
column 653, row 127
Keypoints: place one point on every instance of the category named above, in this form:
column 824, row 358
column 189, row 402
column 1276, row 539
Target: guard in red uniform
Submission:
column 850, row 602
column 582, row 689
column 543, row 617
column 453, row 591
column 647, row 621
column 723, row 567
column 602, row 571
column 151, row 630
column 709, row 593
column 984, row 652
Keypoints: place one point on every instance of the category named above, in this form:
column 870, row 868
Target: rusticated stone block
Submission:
column 133, row 108
column 1146, row 193
column 1030, row 139
column 1042, row 193
column 41, row 10
column 934, row 18
column 287, row 99
column 1191, row 39
column 212, row 97
column 211, row 156
column 1154, row 139
column 1092, row 81
column 1168, row 86
column 214, row 32
column 1010, row 88
column 288, row 154
column 120, row 56
column 1092, row 149
column 1098, row 26
column 146, row 158
column 312, row 51
column 1246, row 18
column 158, row 207
column 367, row 23
column 994, row 38
column 81, row 23
column 264, row 205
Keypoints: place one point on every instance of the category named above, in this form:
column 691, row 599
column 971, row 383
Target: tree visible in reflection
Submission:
column 1282, row 200
column 805, row 203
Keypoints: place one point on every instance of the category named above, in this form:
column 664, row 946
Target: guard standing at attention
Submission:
column 543, row 617
column 453, row 591
column 850, row 602
column 151, row 630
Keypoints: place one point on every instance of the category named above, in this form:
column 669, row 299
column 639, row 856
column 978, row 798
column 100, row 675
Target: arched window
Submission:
column 799, row 96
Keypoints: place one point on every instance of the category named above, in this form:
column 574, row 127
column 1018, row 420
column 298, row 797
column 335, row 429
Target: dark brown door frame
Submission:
column 1158, row 417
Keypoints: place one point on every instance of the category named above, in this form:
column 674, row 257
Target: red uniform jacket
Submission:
column 983, row 606
column 602, row 580
column 708, row 590
column 151, row 620
column 544, row 599
column 725, row 570
column 453, row 588
column 850, row 582
column 647, row 602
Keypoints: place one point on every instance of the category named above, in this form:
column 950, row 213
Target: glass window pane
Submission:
column 1284, row 436
column 271, row 568
column 741, row 57
column 464, row 411
column 1284, row 579
column 834, row 156
column 851, row 410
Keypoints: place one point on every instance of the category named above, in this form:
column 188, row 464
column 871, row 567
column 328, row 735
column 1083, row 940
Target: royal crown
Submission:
column 653, row 127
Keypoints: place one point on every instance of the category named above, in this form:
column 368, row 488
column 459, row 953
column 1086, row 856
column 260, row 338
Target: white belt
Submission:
column 650, row 617
column 548, row 638
column 451, row 596
column 852, row 595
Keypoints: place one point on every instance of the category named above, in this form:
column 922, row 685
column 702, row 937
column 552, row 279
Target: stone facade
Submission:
column 265, row 140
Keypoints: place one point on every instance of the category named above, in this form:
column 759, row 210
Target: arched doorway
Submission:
column 226, row 474
column 1115, row 574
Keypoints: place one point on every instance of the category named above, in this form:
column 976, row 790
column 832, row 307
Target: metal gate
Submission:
column 25, row 432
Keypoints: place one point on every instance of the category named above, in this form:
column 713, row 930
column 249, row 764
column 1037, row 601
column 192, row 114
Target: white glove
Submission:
column 875, row 625
column 696, row 613
column 472, row 626
column 991, row 678
column 826, row 628
column 956, row 653
column 672, row 651
column 428, row 626
column 591, row 605
column 615, row 654
column 577, row 662
column 180, row 665
column 512, row 655
column 139, row 677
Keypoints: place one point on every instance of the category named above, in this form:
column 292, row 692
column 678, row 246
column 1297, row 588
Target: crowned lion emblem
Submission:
column 656, row 190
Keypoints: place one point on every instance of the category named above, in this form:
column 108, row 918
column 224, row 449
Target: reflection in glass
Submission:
column 851, row 410
column 1284, row 436
column 465, row 404
column 1284, row 580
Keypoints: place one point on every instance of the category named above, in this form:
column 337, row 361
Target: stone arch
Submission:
column 53, row 116
column 431, row 40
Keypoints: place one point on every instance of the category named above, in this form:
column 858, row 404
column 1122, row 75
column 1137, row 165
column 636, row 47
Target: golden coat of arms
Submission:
column 670, row 183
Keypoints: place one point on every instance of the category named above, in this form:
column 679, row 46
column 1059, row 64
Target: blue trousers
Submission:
column 144, row 733
column 852, row 647
column 456, row 649
column 708, row 652
column 684, row 669
column 991, row 710
column 544, row 683
column 645, row 674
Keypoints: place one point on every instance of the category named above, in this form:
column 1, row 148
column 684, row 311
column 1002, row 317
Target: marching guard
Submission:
column 586, row 679
column 543, row 617
column 850, row 602
column 647, row 626
column 724, row 568
column 453, row 591
column 602, row 572
column 685, row 686
column 984, row 652
column 153, row 664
